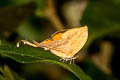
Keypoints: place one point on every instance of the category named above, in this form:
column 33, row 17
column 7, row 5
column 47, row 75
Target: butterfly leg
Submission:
column 72, row 60
column 63, row 60
column 28, row 43
column 68, row 59
column 60, row 59
column 35, row 42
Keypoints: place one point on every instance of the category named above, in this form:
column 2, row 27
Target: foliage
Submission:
column 29, row 55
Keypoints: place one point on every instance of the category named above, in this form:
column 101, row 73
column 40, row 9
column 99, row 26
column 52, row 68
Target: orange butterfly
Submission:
column 64, row 44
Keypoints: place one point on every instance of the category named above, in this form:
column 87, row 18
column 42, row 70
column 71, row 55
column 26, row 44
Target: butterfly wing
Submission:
column 62, row 48
column 59, row 47
column 77, row 37
column 69, row 43
column 57, row 32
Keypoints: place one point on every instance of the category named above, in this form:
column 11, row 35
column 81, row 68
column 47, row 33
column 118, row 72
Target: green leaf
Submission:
column 21, row 2
column 8, row 74
column 29, row 55
column 2, row 77
column 94, row 71
column 102, row 18
column 0, row 42
column 14, row 2
column 40, row 4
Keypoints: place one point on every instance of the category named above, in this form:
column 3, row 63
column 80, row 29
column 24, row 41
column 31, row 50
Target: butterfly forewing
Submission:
column 77, row 37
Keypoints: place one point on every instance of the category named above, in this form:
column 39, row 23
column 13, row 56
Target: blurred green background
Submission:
column 38, row 19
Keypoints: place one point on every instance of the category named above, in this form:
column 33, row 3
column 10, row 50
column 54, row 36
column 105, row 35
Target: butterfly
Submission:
column 64, row 43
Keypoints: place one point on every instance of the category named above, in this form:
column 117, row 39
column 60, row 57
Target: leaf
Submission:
column 31, row 30
column 90, row 68
column 29, row 55
column 0, row 42
column 14, row 2
column 12, row 16
column 102, row 18
column 2, row 77
column 7, row 73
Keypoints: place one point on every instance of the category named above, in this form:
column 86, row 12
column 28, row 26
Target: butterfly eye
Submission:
column 57, row 36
